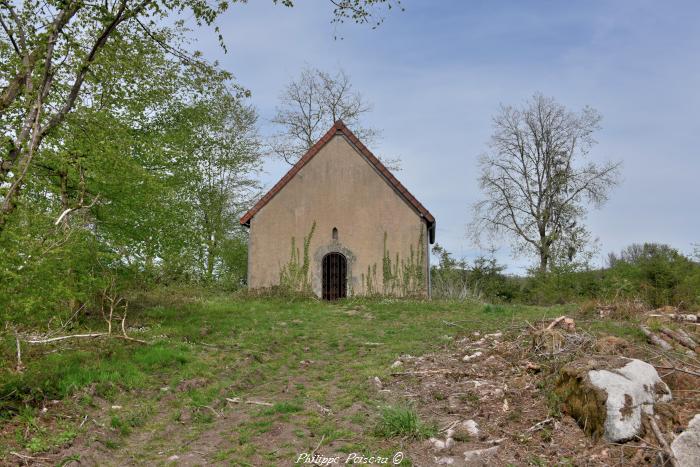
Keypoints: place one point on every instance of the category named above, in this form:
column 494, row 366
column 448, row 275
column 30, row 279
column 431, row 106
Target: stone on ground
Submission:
column 686, row 447
column 466, row 430
column 608, row 396
column 480, row 456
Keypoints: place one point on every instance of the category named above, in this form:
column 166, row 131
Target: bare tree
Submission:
column 538, row 182
column 310, row 105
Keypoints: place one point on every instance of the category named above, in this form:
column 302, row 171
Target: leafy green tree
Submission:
column 54, row 57
column 220, row 139
column 656, row 273
column 118, row 190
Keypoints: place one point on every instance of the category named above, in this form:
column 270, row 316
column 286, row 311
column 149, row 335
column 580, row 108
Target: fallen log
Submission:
column 77, row 336
column 432, row 372
column 686, row 335
column 676, row 317
column 237, row 400
column 685, row 340
column 565, row 322
column 654, row 339
column 556, row 321
column 662, row 441
column 60, row 338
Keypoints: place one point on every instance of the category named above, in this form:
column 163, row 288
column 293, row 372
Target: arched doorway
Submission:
column 334, row 280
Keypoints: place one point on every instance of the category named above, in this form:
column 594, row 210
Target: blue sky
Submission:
column 437, row 73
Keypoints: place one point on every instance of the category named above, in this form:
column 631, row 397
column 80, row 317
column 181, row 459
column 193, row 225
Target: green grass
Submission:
column 282, row 408
column 403, row 422
column 296, row 354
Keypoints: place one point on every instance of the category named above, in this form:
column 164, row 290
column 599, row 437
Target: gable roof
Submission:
column 339, row 128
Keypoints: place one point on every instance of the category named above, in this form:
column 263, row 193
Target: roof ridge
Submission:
column 338, row 127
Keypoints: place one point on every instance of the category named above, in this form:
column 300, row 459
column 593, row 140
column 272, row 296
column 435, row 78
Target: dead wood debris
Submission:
column 662, row 440
column 654, row 339
column 540, row 425
column 237, row 400
column 681, row 337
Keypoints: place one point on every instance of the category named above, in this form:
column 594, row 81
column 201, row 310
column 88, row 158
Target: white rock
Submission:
column 174, row 457
column 440, row 445
column 686, row 447
column 472, row 427
column 444, row 460
column 468, row 358
column 477, row 384
column 396, row 364
column 116, row 407
column 377, row 382
column 480, row 455
column 631, row 391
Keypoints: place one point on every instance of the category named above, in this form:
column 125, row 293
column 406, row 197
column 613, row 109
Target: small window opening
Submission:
column 335, row 234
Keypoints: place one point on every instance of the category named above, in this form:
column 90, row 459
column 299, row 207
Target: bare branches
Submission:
column 360, row 11
column 114, row 302
column 61, row 338
column 535, row 181
column 310, row 105
column 8, row 31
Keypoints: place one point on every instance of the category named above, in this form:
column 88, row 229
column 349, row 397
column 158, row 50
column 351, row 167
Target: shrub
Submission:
column 654, row 273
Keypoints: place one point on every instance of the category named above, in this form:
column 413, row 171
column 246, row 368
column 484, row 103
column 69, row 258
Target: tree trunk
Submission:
column 210, row 262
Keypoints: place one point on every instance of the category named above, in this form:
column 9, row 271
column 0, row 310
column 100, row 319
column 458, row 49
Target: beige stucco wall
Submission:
column 337, row 188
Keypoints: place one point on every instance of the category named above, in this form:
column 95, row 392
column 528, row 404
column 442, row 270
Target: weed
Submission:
column 546, row 435
column 471, row 397
column 404, row 422
column 494, row 309
column 281, row 408
column 120, row 425
column 111, row 444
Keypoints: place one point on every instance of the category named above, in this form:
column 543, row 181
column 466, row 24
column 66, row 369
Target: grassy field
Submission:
column 311, row 363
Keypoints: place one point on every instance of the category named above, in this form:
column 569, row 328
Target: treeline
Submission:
column 142, row 184
column 653, row 274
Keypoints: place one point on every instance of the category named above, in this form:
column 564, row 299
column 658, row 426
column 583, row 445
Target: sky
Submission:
column 437, row 73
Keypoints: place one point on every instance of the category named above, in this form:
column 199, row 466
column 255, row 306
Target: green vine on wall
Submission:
column 369, row 281
column 405, row 277
column 294, row 275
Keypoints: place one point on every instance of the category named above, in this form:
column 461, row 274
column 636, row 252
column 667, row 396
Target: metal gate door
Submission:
column 334, row 276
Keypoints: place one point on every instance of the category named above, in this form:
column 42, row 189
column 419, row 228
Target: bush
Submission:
column 454, row 280
column 653, row 274
column 656, row 274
